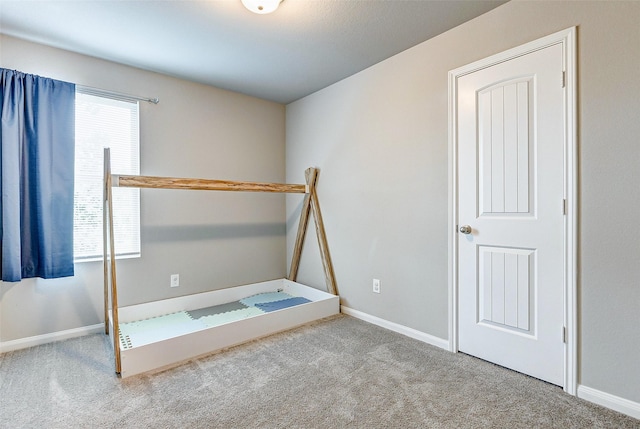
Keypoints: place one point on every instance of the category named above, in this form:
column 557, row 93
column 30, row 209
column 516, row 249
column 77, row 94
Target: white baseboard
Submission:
column 23, row 343
column 608, row 400
column 401, row 329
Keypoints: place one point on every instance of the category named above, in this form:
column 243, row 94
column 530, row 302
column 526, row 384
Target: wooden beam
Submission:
column 329, row 274
column 205, row 184
column 310, row 174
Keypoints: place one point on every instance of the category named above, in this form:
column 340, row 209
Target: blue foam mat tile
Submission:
column 279, row 305
column 264, row 298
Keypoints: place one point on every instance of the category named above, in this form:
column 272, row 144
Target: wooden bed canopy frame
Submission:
column 309, row 205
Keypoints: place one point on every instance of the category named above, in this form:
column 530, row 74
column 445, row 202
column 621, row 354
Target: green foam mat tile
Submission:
column 146, row 331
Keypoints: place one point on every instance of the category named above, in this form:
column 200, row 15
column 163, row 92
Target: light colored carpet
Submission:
column 336, row 373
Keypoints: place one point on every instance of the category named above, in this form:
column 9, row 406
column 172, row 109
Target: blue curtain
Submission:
column 37, row 141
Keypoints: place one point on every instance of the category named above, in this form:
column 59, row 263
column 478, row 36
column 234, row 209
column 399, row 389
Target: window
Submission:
column 105, row 122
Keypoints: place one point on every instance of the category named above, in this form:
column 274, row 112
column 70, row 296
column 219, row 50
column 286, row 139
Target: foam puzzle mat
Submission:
column 146, row 331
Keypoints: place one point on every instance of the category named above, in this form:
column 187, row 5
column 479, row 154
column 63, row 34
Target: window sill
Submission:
column 99, row 258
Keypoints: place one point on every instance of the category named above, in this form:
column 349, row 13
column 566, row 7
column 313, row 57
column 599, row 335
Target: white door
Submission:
column 510, row 193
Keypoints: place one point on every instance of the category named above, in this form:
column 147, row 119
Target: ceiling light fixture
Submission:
column 261, row 6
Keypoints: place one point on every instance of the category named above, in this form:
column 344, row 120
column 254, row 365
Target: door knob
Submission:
column 465, row 229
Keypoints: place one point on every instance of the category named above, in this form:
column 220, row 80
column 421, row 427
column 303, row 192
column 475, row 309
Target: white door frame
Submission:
column 568, row 40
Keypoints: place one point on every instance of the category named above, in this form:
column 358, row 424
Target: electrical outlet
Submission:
column 175, row 280
column 376, row 285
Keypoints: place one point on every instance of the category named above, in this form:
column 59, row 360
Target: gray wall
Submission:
column 213, row 240
column 380, row 140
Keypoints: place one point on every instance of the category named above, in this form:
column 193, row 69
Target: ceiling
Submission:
column 304, row 46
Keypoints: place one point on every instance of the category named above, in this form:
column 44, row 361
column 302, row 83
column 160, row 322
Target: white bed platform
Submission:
column 179, row 347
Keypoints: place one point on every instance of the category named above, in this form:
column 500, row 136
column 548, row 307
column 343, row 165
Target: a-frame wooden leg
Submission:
column 311, row 204
column 310, row 175
column 112, row 254
column 329, row 274
column 105, row 237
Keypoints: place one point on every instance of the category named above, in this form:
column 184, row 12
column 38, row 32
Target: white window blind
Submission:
column 105, row 122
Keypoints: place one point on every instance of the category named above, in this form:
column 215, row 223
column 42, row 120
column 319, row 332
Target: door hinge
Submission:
column 564, row 79
column 564, row 334
column 564, row 206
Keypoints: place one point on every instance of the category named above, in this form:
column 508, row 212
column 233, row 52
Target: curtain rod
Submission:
column 113, row 94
